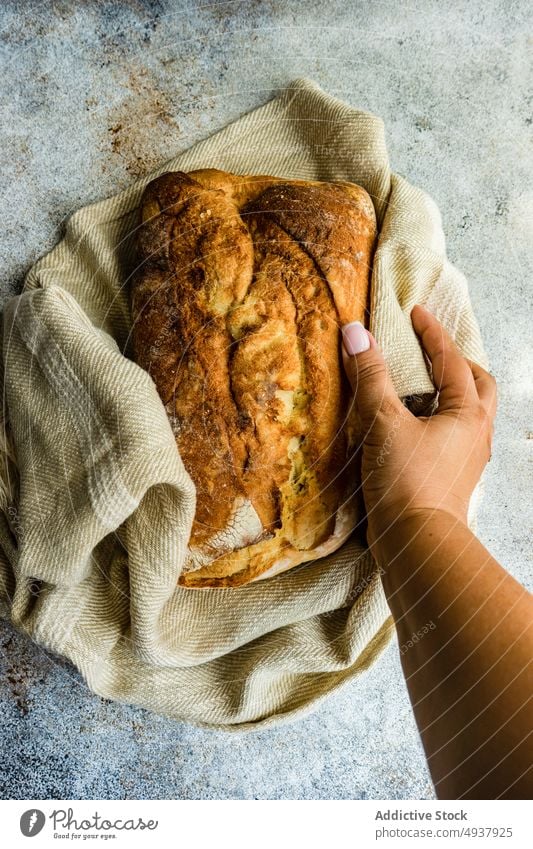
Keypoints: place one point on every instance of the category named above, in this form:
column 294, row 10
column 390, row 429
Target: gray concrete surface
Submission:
column 94, row 94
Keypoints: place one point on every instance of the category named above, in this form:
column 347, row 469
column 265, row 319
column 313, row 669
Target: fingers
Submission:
column 460, row 381
column 451, row 372
column 486, row 388
column 367, row 372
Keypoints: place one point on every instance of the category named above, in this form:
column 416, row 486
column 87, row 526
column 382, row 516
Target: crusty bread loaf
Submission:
column 241, row 287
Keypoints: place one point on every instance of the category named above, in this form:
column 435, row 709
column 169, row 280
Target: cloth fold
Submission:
column 95, row 503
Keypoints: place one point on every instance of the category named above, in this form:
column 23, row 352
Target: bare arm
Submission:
column 469, row 674
column 464, row 624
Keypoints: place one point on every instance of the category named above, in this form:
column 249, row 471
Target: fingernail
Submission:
column 355, row 338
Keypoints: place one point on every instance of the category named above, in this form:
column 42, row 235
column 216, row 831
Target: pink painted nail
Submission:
column 355, row 338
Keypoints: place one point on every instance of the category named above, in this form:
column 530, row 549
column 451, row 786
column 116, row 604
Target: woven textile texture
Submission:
column 95, row 504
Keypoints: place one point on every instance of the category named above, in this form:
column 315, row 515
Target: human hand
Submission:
column 416, row 465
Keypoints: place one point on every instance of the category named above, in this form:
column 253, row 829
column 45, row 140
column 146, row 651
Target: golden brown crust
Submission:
column 241, row 287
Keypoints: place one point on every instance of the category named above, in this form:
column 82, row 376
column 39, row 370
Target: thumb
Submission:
column 366, row 370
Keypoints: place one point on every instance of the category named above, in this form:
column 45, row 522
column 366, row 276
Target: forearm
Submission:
column 464, row 627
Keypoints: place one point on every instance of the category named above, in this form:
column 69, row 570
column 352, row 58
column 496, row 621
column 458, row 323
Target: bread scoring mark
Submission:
column 304, row 501
column 265, row 373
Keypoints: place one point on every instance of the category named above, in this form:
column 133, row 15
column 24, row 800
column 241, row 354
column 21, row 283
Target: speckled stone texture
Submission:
column 94, row 94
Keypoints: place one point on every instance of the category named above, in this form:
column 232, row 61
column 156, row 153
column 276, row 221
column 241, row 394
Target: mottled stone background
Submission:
column 94, row 94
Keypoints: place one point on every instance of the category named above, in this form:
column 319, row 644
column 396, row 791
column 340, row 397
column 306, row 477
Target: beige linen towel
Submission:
column 96, row 504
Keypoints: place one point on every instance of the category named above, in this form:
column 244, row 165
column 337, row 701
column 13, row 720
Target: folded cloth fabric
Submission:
column 96, row 505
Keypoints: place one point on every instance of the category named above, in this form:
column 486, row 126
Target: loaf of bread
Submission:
column 241, row 287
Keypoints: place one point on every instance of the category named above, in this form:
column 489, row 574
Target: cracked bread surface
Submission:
column 241, row 287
